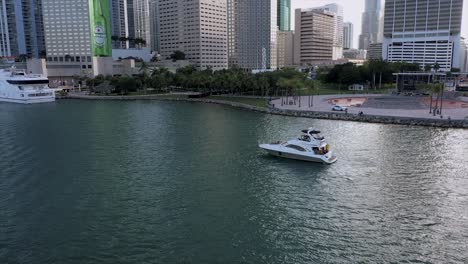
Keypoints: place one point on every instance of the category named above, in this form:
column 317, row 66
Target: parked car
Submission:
column 339, row 108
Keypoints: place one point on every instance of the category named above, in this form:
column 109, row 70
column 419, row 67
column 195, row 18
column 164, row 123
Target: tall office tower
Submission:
column 256, row 34
column 154, row 27
column 423, row 31
column 5, row 50
column 78, row 37
column 463, row 55
column 348, row 34
column 314, row 36
column 122, row 22
column 142, row 20
column 285, row 49
column 232, row 29
column 337, row 12
column 375, row 51
column 284, row 15
column 24, row 23
column 198, row 28
column 371, row 21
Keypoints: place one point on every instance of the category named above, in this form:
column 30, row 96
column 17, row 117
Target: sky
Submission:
column 353, row 11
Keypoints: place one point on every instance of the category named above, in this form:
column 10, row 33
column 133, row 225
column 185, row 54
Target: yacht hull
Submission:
column 28, row 101
column 278, row 151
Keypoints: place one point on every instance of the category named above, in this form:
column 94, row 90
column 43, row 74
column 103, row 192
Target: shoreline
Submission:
column 377, row 119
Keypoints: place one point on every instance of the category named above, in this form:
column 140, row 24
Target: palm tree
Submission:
column 114, row 39
column 437, row 89
column 428, row 67
column 144, row 68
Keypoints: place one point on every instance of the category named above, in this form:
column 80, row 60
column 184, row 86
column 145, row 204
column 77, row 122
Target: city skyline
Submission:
column 353, row 13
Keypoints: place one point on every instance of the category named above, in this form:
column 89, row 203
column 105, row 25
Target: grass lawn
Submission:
column 248, row 101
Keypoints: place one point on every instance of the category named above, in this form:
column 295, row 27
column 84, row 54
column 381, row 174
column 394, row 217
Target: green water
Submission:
column 167, row 182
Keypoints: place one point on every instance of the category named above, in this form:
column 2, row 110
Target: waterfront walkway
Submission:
column 378, row 105
column 375, row 108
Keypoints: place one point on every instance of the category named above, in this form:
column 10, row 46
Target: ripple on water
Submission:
column 145, row 182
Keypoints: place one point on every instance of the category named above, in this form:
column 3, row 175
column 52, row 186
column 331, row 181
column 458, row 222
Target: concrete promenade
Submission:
column 321, row 110
column 378, row 105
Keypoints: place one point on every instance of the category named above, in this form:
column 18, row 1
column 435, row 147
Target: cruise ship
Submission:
column 18, row 87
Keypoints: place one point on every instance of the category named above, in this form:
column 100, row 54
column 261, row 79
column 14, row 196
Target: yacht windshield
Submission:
column 27, row 82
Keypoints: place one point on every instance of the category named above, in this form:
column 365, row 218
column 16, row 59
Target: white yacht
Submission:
column 309, row 146
column 18, row 87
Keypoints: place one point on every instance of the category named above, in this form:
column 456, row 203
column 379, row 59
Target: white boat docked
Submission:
column 310, row 146
column 18, row 87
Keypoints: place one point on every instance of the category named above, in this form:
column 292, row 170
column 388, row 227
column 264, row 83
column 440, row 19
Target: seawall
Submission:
column 410, row 121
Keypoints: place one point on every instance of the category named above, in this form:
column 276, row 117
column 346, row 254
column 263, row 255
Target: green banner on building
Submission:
column 99, row 13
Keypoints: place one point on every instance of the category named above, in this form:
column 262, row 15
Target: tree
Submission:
column 139, row 42
column 125, row 84
column 427, row 67
column 144, row 69
column 436, row 67
column 23, row 57
column 349, row 75
column 114, row 39
column 177, row 55
column 161, row 78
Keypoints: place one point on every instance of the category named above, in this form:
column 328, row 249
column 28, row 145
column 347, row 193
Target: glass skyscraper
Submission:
column 284, row 15
column 370, row 24
column 21, row 28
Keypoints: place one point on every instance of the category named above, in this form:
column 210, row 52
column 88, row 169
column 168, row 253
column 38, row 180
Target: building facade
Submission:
column 423, row 32
column 22, row 28
column 256, row 34
column 348, row 35
column 284, row 15
column 355, row 54
column 371, row 24
column 123, row 24
column 375, row 51
column 142, row 20
column 5, row 49
column 337, row 12
column 72, row 47
column 314, row 36
column 463, row 55
column 285, row 49
column 232, row 30
column 154, row 26
column 196, row 27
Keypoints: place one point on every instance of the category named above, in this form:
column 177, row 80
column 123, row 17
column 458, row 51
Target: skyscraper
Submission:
column 5, row 49
column 232, row 30
column 337, row 12
column 123, row 24
column 142, row 20
column 154, row 27
column 424, row 32
column 371, row 21
column 285, row 49
column 198, row 28
column 22, row 24
column 284, row 15
column 314, row 36
column 348, row 31
column 256, row 34
column 78, row 37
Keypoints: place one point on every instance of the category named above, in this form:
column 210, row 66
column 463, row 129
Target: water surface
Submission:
column 170, row 182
